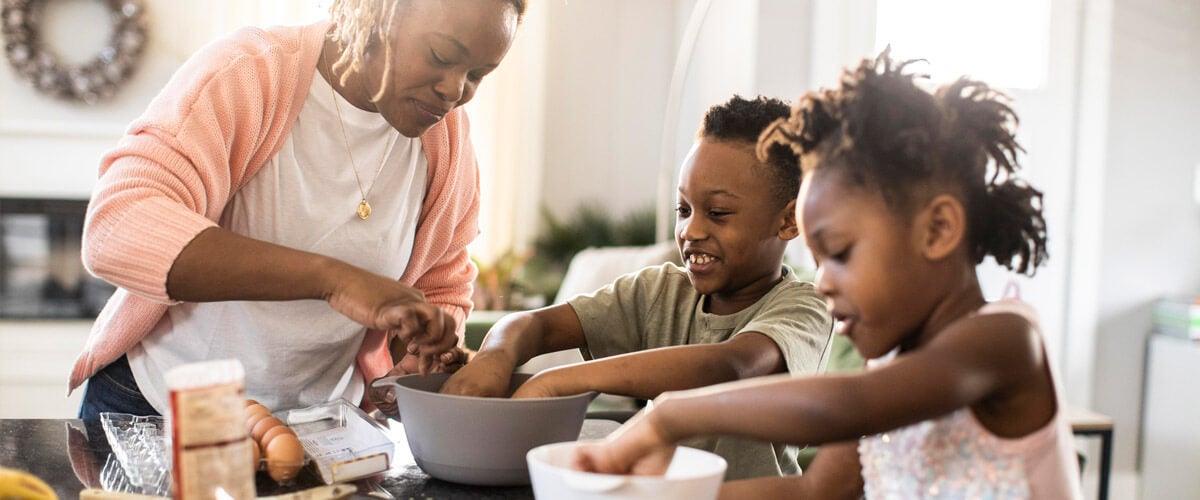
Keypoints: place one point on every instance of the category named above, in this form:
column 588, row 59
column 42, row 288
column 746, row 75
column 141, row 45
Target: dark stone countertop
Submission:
column 71, row 455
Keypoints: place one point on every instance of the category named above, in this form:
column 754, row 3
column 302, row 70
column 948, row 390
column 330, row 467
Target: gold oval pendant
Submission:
column 364, row 210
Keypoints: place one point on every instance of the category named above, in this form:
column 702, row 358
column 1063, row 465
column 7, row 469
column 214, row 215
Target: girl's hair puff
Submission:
column 358, row 22
column 884, row 132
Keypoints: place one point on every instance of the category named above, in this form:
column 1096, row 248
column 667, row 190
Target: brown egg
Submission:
column 275, row 431
column 251, row 402
column 257, row 455
column 263, row 426
column 255, row 409
column 253, row 420
column 285, row 456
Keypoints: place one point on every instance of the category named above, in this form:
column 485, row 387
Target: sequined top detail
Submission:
column 956, row 457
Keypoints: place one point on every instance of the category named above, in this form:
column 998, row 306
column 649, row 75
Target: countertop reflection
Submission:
column 71, row 455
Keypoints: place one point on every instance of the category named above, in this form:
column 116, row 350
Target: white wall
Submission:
column 785, row 41
column 52, row 148
column 607, row 68
column 1140, row 228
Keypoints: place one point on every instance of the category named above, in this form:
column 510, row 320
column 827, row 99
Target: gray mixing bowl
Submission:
column 476, row 440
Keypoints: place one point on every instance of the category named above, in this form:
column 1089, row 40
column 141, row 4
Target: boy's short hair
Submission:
column 743, row 120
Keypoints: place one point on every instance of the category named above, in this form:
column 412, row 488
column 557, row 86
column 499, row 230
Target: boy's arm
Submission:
column 646, row 374
column 512, row 341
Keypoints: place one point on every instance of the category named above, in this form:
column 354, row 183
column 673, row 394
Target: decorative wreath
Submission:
column 89, row 82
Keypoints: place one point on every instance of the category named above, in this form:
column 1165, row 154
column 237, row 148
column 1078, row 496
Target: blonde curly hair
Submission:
column 356, row 22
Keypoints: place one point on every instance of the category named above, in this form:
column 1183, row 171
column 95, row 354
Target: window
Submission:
column 1002, row 42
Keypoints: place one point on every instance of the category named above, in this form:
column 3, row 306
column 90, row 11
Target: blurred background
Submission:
column 581, row 131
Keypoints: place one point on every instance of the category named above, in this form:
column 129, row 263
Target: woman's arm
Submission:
column 220, row 265
column 170, row 177
column 646, row 374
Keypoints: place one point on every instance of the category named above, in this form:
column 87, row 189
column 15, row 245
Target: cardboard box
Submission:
column 342, row 441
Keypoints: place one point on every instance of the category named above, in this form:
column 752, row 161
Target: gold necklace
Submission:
column 364, row 208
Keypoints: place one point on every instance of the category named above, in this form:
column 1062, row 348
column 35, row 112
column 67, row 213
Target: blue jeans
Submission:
column 113, row 389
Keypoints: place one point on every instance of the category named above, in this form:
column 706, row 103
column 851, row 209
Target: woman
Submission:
column 278, row 165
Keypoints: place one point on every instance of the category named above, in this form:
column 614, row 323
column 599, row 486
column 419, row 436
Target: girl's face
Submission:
column 440, row 50
column 730, row 229
column 868, row 264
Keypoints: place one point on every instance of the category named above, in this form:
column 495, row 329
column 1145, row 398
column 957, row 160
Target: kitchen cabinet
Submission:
column 35, row 361
column 1171, row 419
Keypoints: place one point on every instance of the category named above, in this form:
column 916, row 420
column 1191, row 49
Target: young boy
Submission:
column 733, row 312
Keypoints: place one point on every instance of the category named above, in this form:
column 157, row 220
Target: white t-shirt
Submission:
column 299, row 353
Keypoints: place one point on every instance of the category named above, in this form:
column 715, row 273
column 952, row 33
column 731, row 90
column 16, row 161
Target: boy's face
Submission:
column 730, row 228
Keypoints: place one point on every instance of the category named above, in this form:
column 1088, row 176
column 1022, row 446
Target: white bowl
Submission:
column 692, row 475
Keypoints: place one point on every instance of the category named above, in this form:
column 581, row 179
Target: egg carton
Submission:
column 141, row 454
column 342, row 441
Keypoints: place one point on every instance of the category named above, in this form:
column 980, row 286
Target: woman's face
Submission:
column 440, row 52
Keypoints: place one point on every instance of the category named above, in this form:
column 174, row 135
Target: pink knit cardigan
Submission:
column 223, row 115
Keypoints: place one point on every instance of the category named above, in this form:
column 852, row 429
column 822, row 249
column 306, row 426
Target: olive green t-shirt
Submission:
column 658, row 307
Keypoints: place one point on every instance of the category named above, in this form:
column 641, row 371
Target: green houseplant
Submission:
column 540, row 272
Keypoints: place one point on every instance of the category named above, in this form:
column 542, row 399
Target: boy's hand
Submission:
column 487, row 375
column 636, row 448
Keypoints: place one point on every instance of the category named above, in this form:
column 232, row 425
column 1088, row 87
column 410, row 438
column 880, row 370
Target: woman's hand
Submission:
column 639, row 447
column 384, row 398
column 386, row 304
column 487, row 376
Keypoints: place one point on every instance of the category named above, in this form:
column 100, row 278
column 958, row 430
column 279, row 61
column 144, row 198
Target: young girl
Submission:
column 898, row 206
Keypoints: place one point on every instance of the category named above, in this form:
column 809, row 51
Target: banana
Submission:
column 20, row 485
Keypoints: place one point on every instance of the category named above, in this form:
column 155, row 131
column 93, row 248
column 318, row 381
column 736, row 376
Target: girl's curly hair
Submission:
column 884, row 132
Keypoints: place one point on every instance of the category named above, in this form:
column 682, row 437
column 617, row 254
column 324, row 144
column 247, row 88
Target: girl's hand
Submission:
column 539, row 386
column 382, row 303
column 638, row 448
column 486, row 376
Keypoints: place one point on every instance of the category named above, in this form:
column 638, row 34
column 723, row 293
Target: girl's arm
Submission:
column 647, row 374
column 512, row 341
column 834, row 473
column 995, row 358
column 990, row 357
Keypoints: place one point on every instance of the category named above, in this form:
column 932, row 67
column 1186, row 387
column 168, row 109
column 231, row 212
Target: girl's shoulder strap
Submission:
column 1013, row 306
column 1012, row 290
